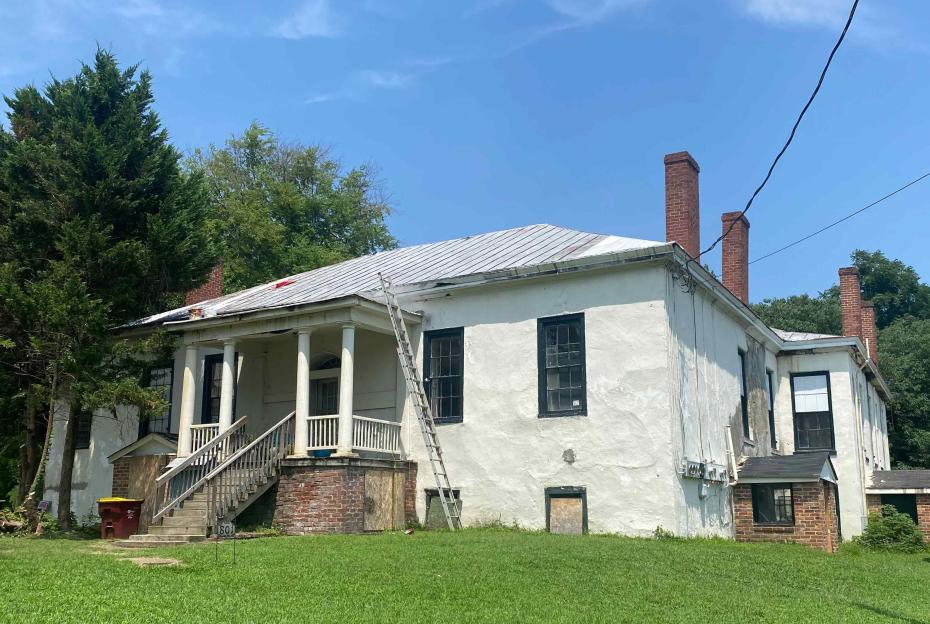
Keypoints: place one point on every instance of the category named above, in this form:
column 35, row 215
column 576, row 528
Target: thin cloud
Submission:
column 360, row 83
column 589, row 11
column 312, row 19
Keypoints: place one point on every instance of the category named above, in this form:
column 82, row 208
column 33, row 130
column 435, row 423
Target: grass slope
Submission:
column 472, row 576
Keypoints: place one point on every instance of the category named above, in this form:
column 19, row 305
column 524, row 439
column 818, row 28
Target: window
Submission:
column 813, row 412
column 435, row 516
column 82, row 434
column 213, row 388
column 772, row 436
column 442, row 373
column 162, row 380
column 566, row 510
column 772, row 503
column 743, row 398
column 325, row 394
column 560, row 347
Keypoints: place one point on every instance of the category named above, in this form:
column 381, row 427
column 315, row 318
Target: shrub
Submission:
column 890, row 530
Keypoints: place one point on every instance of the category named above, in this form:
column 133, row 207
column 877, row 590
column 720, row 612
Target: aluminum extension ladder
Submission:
column 421, row 406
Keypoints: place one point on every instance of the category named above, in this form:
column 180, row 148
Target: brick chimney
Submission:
column 869, row 330
column 735, row 260
column 851, row 302
column 210, row 289
column 682, row 204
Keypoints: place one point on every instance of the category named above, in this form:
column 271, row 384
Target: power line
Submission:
column 794, row 129
column 846, row 218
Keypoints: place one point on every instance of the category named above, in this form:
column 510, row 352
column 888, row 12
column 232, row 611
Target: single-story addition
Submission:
column 908, row 491
column 581, row 382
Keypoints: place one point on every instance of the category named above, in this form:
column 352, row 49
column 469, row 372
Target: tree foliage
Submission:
column 99, row 224
column 279, row 209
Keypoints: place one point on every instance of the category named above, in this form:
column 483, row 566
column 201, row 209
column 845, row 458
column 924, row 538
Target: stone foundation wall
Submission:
column 344, row 495
column 134, row 477
column 814, row 517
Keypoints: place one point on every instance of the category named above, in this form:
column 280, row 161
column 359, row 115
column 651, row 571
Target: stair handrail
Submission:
column 218, row 491
column 187, row 473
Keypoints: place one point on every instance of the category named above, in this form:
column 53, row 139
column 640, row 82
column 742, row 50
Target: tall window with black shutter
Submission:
column 743, row 398
column 771, row 382
column 160, row 379
column 443, row 373
column 85, row 421
column 813, row 411
column 561, row 353
column 213, row 388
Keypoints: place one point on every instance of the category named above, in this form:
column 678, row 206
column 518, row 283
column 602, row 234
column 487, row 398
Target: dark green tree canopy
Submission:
column 88, row 178
column 279, row 209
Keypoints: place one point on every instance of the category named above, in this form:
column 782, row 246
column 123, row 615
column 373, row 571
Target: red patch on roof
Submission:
column 283, row 283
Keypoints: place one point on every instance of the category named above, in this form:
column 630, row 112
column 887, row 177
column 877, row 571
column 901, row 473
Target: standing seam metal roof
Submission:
column 432, row 262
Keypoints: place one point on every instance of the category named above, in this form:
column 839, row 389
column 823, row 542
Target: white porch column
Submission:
column 227, row 390
column 302, row 408
column 346, row 379
column 188, row 396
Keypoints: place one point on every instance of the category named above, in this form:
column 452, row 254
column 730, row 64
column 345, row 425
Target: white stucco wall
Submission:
column 503, row 456
column 856, row 437
column 92, row 477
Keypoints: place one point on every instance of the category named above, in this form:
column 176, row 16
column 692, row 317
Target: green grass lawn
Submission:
column 480, row 575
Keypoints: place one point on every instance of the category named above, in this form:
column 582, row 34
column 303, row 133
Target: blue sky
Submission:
column 491, row 114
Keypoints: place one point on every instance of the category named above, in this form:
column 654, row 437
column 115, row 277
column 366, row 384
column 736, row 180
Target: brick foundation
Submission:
column 341, row 495
column 814, row 517
column 134, row 477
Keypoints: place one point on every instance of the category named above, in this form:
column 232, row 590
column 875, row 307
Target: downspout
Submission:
column 734, row 476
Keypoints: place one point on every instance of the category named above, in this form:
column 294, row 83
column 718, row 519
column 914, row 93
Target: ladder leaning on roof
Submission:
column 421, row 406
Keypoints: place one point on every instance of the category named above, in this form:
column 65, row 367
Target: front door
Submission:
column 325, row 394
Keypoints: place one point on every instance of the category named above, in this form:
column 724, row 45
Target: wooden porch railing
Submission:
column 241, row 475
column 373, row 434
column 175, row 485
column 201, row 434
column 323, row 432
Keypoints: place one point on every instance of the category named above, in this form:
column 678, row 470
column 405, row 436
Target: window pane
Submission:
column 810, row 394
column 563, row 362
column 444, row 373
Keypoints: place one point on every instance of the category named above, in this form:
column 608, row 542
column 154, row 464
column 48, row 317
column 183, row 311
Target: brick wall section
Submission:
column 874, row 503
column 134, row 477
column 851, row 302
column 211, row 289
column 735, row 254
column 869, row 329
column 814, row 517
column 923, row 514
column 328, row 495
column 682, row 202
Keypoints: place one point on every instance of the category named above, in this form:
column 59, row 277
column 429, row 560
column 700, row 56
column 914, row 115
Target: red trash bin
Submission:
column 119, row 517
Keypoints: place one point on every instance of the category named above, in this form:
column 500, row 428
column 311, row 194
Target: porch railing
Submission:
column 201, row 434
column 368, row 434
column 175, row 485
column 372, row 434
column 323, row 432
column 241, row 475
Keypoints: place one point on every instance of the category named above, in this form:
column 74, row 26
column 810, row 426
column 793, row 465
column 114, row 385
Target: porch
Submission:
column 313, row 399
column 336, row 370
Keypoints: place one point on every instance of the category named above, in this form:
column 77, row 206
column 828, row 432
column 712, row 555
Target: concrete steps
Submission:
column 151, row 540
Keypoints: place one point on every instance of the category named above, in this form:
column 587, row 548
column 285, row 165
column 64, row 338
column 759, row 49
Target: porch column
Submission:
column 346, row 379
column 188, row 395
column 302, row 409
column 227, row 389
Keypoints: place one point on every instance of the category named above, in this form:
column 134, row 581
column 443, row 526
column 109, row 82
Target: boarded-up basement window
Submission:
column 435, row 516
column 566, row 510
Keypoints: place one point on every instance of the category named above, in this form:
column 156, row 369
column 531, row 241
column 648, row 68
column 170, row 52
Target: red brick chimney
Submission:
column 682, row 204
column 210, row 289
column 735, row 260
column 851, row 302
column 870, row 330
